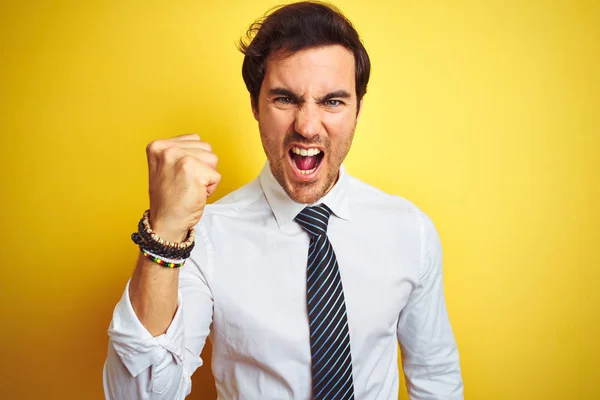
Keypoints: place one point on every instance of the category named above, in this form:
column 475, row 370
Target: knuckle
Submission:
column 208, row 146
column 187, row 163
column 212, row 158
column 170, row 154
column 153, row 147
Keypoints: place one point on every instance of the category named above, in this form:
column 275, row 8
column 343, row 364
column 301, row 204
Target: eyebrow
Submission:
column 288, row 93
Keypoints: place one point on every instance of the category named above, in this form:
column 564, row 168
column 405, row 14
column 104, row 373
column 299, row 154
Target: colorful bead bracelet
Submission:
column 167, row 260
column 162, row 262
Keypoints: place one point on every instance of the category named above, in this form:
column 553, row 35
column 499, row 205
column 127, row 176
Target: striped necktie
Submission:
column 329, row 334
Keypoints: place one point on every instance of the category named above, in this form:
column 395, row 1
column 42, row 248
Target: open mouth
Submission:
column 306, row 160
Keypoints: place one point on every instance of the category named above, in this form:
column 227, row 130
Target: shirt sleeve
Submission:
column 429, row 352
column 140, row 366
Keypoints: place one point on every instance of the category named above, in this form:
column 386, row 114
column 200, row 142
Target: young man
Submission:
column 306, row 278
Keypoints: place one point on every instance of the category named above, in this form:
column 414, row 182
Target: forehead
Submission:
column 319, row 70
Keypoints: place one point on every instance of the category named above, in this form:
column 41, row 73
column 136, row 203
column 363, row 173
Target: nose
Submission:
column 308, row 120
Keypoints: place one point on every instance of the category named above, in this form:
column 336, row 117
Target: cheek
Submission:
column 275, row 123
column 340, row 128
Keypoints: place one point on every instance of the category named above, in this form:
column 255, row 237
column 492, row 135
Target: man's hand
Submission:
column 182, row 173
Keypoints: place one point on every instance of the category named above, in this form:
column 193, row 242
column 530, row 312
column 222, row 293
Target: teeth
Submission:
column 305, row 152
column 307, row 172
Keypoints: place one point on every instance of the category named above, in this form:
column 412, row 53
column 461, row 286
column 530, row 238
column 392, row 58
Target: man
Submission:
column 306, row 279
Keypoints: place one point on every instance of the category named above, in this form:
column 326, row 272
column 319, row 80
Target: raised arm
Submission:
column 160, row 325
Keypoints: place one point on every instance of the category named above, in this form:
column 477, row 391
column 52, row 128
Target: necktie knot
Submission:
column 314, row 219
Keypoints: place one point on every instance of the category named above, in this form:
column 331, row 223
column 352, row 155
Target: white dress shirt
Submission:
column 247, row 277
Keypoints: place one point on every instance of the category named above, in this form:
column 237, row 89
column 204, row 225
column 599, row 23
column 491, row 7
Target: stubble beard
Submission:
column 305, row 192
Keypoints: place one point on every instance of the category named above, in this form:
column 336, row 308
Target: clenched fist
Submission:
column 183, row 173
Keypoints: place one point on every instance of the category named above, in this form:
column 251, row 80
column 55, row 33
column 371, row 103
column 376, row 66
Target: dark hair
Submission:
column 293, row 27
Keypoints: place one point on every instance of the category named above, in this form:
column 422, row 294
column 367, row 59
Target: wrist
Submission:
column 167, row 232
column 166, row 228
column 163, row 243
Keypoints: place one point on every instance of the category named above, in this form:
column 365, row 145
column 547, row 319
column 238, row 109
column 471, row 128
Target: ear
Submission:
column 254, row 106
column 360, row 104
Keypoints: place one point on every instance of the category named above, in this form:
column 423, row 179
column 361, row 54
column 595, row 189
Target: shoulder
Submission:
column 234, row 213
column 362, row 194
column 240, row 202
column 394, row 209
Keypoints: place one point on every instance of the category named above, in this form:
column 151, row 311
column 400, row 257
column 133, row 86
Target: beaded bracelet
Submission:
column 148, row 240
column 143, row 239
column 165, row 247
column 183, row 245
column 167, row 260
column 161, row 262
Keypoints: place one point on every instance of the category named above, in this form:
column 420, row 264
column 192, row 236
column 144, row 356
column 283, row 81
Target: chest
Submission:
column 259, row 286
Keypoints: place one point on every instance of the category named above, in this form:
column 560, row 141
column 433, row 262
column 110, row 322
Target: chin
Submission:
column 303, row 195
column 307, row 192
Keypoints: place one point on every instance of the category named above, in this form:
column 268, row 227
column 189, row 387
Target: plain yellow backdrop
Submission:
column 483, row 113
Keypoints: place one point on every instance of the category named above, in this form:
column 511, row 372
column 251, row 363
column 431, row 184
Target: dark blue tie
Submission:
column 329, row 334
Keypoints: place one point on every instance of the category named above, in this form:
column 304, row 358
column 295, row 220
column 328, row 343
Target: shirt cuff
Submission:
column 136, row 347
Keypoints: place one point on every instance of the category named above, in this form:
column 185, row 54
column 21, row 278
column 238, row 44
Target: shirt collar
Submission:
column 285, row 209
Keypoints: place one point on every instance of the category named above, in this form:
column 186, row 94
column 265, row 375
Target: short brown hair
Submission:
column 298, row 26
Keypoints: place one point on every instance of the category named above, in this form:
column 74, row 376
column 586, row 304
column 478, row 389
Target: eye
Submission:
column 283, row 100
column 333, row 103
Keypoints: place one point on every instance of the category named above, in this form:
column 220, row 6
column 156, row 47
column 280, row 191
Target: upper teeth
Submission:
column 305, row 152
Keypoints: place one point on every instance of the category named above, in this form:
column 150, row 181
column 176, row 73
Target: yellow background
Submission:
column 485, row 114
